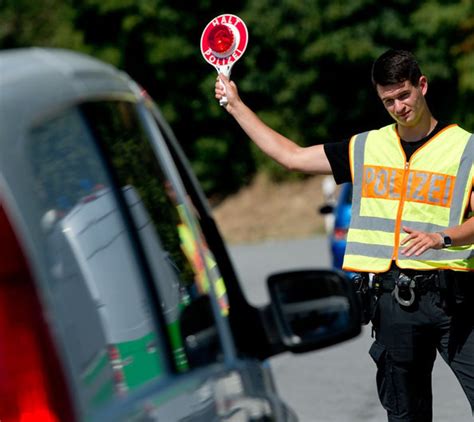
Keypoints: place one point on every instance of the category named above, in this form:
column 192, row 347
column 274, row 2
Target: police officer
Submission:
column 412, row 228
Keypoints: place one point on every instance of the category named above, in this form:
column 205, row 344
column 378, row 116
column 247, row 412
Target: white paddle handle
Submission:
column 225, row 70
column 223, row 101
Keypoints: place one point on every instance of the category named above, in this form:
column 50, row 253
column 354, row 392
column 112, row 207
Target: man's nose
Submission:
column 399, row 106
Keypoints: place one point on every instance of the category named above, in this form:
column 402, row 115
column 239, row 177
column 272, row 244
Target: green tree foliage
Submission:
column 309, row 62
column 157, row 43
column 24, row 23
column 306, row 70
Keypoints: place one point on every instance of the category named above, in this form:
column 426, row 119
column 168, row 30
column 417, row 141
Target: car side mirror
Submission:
column 314, row 308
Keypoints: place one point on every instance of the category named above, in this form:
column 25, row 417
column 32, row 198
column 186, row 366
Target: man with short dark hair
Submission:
column 411, row 232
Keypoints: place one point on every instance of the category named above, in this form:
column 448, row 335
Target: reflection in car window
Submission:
column 64, row 163
column 111, row 340
column 169, row 219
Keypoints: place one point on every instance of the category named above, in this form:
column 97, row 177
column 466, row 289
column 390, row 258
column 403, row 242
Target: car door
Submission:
column 140, row 307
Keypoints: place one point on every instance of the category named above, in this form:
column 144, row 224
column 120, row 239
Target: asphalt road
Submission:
column 336, row 384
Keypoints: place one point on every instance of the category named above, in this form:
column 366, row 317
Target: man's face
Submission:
column 404, row 101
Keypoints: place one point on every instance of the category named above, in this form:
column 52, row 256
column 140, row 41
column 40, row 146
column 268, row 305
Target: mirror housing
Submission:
column 314, row 308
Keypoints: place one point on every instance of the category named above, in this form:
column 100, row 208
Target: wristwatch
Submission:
column 447, row 241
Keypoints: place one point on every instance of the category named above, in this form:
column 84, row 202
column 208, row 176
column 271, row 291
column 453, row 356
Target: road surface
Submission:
column 336, row 384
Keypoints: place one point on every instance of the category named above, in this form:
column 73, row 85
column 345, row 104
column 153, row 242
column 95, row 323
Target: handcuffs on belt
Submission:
column 404, row 284
column 401, row 286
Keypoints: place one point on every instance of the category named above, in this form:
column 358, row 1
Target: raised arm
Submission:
column 283, row 150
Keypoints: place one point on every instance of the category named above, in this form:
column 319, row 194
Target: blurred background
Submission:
column 306, row 70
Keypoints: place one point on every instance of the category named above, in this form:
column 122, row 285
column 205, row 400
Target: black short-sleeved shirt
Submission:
column 338, row 154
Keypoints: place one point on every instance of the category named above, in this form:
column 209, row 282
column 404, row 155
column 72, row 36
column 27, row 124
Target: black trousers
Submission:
column 406, row 340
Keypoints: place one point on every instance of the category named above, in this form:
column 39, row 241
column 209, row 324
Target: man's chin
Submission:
column 406, row 121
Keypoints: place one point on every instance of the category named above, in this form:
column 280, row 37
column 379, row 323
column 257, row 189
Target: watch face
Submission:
column 447, row 241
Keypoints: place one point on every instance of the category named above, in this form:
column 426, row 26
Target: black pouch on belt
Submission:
column 448, row 294
column 365, row 296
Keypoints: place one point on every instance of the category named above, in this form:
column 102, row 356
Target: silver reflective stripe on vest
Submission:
column 374, row 251
column 374, row 223
column 422, row 226
column 359, row 150
column 442, row 255
column 462, row 178
column 365, row 223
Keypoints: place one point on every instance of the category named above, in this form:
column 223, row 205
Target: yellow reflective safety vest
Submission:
column 430, row 192
column 203, row 270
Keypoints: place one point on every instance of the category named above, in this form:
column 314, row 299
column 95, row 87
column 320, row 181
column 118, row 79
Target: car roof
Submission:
column 35, row 80
column 28, row 62
column 39, row 82
column 32, row 64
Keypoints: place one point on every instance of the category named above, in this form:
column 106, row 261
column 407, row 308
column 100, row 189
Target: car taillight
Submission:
column 340, row 233
column 32, row 387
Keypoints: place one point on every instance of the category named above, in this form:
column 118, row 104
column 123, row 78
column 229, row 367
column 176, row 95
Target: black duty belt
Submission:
column 403, row 284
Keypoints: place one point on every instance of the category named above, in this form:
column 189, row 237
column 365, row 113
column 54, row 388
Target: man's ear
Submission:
column 423, row 84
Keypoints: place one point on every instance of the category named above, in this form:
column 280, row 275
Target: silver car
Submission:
column 118, row 301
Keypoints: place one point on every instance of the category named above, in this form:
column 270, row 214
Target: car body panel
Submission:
column 68, row 79
column 110, row 270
